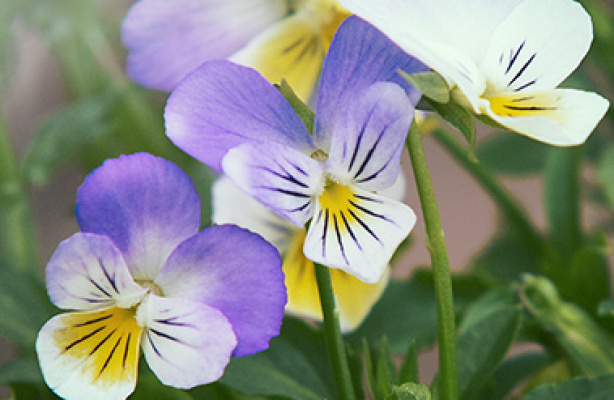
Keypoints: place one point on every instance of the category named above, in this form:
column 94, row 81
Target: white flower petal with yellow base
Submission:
column 186, row 343
column 561, row 117
column 520, row 49
column 91, row 355
column 356, row 231
column 354, row 298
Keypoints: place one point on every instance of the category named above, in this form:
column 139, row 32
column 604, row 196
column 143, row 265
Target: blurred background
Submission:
column 62, row 83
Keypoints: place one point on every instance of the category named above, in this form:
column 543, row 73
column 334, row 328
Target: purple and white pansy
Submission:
column 229, row 117
column 140, row 275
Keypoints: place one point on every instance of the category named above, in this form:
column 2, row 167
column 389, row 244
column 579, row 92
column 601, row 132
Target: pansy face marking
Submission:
column 283, row 39
column 329, row 180
column 141, row 277
column 506, row 67
column 353, row 298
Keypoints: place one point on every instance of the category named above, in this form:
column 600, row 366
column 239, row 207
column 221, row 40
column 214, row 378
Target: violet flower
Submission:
column 229, row 117
column 141, row 275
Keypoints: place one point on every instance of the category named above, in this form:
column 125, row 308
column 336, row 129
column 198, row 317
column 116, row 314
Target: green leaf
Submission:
column 605, row 173
column 512, row 373
column 385, row 371
column 68, row 136
column 22, row 370
column 586, row 281
column 409, row 368
column 487, row 331
column 410, row 391
column 295, row 366
column 600, row 388
column 149, row 387
column 407, row 311
column 588, row 348
column 431, row 84
column 24, row 307
column 512, row 154
column 507, row 256
column 606, row 308
column 459, row 117
column 301, row 109
column 29, row 391
column 562, row 201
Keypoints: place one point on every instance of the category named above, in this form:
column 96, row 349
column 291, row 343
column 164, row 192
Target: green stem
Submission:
column 17, row 238
column 448, row 368
column 508, row 205
column 334, row 341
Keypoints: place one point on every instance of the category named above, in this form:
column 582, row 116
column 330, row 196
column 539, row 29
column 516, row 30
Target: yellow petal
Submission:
column 354, row 298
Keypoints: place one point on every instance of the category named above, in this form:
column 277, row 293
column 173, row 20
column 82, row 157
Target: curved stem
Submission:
column 332, row 331
column 503, row 199
column 17, row 238
column 448, row 368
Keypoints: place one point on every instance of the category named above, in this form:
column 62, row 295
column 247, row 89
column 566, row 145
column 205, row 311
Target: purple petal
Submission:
column 168, row 39
column 88, row 272
column 221, row 105
column 358, row 57
column 367, row 144
column 186, row 343
column 280, row 177
column 236, row 272
column 145, row 204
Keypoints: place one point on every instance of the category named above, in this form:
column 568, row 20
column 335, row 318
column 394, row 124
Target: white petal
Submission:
column 186, row 343
column 88, row 272
column 537, row 46
column 567, row 119
column 231, row 205
column 356, row 231
column 443, row 34
column 282, row 178
column 90, row 355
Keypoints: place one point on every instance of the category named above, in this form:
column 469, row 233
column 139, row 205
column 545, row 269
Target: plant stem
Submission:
column 332, row 331
column 448, row 368
column 498, row 193
column 17, row 239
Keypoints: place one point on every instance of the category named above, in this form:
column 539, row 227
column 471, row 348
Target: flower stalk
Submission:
column 332, row 332
column 448, row 369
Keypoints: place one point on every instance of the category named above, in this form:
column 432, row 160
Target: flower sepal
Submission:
column 302, row 110
column 432, row 85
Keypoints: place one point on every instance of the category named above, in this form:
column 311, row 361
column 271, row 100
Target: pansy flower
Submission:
column 354, row 298
column 280, row 38
column 502, row 59
column 229, row 117
column 141, row 277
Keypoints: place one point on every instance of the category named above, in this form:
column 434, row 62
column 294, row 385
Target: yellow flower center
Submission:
column 107, row 340
column 524, row 105
column 336, row 198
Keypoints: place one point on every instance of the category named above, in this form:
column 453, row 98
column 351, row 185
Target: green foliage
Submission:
column 487, row 331
column 576, row 389
column 410, row 391
column 605, row 174
column 407, row 311
column 79, row 132
column 459, row 117
column 292, row 367
column 24, row 307
column 511, row 154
